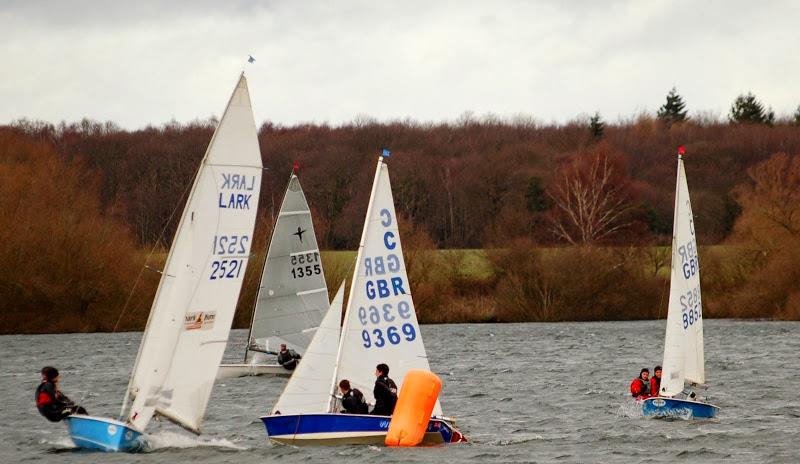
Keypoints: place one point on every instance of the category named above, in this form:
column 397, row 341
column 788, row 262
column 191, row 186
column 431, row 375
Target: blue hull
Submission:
column 683, row 409
column 347, row 429
column 103, row 434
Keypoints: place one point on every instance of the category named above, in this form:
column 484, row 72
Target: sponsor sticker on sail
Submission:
column 202, row 320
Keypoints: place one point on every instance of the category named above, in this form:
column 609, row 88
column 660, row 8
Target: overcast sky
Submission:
column 139, row 63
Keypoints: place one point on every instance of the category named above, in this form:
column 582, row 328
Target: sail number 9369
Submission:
column 378, row 337
column 305, row 265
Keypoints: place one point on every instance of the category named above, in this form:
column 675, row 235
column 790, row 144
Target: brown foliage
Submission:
column 65, row 264
column 592, row 199
column 574, row 284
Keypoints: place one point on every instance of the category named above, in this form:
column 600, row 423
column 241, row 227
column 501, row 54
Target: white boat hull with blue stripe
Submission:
column 678, row 408
column 346, row 429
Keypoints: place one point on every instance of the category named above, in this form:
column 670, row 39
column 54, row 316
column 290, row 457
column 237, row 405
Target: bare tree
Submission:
column 590, row 200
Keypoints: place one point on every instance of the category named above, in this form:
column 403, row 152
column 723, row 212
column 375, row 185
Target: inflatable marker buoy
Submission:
column 415, row 404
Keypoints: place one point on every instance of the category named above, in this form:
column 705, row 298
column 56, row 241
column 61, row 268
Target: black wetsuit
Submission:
column 353, row 402
column 385, row 393
column 288, row 359
column 53, row 404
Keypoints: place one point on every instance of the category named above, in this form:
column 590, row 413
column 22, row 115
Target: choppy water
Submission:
column 521, row 393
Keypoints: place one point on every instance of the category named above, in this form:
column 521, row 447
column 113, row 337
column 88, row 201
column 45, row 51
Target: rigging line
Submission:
column 149, row 255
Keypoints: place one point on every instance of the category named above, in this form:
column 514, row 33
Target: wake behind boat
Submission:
column 380, row 326
column 292, row 297
column 193, row 309
column 684, row 359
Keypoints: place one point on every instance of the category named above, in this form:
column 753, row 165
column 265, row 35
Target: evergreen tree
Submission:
column 797, row 115
column 674, row 110
column 596, row 126
column 747, row 109
column 536, row 197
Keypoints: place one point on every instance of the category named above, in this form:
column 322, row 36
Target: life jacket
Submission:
column 385, row 393
column 288, row 359
column 655, row 385
column 50, row 402
column 639, row 388
column 353, row 402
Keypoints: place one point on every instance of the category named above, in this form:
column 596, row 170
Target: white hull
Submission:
column 231, row 371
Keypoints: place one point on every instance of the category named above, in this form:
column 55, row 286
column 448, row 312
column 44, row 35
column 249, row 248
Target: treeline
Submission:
column 576, row 218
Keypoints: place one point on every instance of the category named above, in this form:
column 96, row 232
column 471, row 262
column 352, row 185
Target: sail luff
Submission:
column 381, row 324
column 167, row 262
column 353, row 282
column 683, row 340
column 672, row 373
column 190, row 319
column 292, row 296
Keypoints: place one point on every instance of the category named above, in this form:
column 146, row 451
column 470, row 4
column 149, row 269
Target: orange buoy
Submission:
column 415, row 404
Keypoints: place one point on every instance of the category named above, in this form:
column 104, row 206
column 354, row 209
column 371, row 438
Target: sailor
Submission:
column 50, row 402
column 352, row 399
column 288, row 358
column 655, row 381
column 385, row 392
column 640, row 387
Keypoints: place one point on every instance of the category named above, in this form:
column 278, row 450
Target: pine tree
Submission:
column 536, row 197
column 596, row 126
column 747, row 109
column 674, row 110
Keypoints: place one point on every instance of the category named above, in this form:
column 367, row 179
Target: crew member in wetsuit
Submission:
column 640, row 387
column 50, row 402
column 288, row 358
column 655, row 381
column 385, row 392
column 352, row 399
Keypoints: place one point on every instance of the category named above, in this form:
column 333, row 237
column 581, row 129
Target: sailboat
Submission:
column 684, row 360
column 380, row 326
column 292, row 297
column 193, row 309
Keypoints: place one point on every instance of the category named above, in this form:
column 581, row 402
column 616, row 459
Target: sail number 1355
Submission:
column 305, row 265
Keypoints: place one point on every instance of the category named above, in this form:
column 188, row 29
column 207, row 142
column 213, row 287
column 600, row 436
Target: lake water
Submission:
column 520, row 392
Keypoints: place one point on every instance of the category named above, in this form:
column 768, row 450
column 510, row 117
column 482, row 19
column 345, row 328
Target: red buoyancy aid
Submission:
column 639, row 389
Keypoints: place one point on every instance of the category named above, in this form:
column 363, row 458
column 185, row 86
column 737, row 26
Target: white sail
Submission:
column 683, row 342
column 293, row 297
column 309, row 388
column 380, row 323
column 194, row 306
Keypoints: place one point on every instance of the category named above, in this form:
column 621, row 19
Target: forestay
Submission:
column 293, row 297
column 380, row 323
column 194, row 306
column 683, row 343
column 309, row 388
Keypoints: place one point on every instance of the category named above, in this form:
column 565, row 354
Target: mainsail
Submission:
column 292, row 298
column 192, row 312
column 309, row 388
column 380, row 324
column 683, row 342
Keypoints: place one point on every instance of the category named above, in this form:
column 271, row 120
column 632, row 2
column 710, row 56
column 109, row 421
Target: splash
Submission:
column 163, row 440
column 631, row 409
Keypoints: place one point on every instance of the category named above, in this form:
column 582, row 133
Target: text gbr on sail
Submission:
column 235, row 200
column 384, row 264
